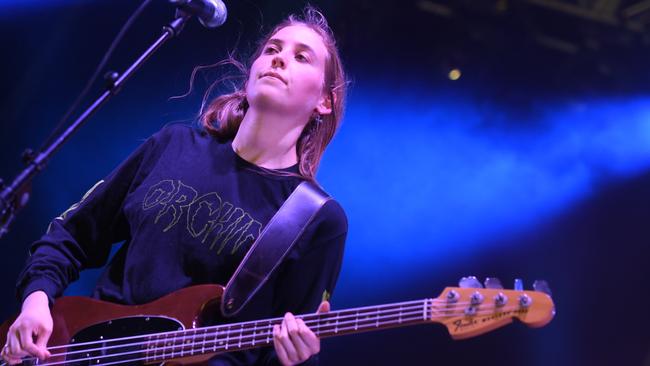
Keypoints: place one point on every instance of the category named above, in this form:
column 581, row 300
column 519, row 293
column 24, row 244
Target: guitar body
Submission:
column 80, row 319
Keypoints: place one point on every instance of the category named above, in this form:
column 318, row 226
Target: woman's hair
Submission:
column 223, row 115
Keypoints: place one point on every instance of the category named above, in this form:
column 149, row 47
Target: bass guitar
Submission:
column 173, row 328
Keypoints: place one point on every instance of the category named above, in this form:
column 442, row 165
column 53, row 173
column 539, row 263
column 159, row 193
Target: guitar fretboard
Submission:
column 240, row 336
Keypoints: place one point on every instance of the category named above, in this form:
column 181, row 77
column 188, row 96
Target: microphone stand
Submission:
column 16, row 195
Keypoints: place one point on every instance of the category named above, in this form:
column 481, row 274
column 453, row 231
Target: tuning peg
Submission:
column 542, row 286
column 469, row 282
column 492, row 282
column 519, row 284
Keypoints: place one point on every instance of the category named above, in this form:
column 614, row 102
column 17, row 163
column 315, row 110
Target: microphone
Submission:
column 211, row 13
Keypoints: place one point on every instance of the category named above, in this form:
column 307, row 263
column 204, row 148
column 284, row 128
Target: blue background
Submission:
column 529, row 166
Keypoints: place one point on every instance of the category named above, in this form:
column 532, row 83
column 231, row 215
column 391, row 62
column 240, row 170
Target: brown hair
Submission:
column 223, row 115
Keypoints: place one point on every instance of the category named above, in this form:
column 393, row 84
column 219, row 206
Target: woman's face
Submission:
column 288, row 75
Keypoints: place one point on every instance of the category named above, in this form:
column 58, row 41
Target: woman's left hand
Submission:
column 294, row 342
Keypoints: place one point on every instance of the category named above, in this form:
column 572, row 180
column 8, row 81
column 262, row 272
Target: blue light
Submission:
column 425, row 177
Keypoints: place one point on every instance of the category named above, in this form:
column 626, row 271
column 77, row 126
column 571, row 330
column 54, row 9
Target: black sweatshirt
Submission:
column 188, row 208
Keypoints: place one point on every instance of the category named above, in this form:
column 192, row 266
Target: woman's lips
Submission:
column 274, row 75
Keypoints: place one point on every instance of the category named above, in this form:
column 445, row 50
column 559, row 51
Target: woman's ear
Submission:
column 325, row 103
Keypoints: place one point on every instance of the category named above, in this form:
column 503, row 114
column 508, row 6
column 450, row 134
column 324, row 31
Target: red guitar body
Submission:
column 81, row 319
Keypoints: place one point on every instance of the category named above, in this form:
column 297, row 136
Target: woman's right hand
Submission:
column 31, row 330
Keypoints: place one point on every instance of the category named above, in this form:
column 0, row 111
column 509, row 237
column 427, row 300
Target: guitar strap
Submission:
column 273, row 244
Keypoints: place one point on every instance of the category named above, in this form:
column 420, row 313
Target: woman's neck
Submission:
column 267, row 140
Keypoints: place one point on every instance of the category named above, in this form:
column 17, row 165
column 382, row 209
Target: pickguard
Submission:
column 110, row 339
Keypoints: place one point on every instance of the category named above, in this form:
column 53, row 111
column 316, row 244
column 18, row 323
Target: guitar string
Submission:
column 346, row 312
column 153, row 358
column 222, row 347
column 216, row 327
column 227, row 329
column 174, row 350
column 198, row 333
column 146, row 359
column 202, row 332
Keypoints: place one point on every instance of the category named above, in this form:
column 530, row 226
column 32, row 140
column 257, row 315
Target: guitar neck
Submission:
column 254, row 334
column 370, row 318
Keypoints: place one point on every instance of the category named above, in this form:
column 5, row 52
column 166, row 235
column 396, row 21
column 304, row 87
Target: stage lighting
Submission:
column 454, row 74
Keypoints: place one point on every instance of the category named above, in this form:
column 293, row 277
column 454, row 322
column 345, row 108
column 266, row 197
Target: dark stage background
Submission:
column 535, row 163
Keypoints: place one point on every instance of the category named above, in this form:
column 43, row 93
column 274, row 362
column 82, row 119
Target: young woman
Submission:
column 189, row 203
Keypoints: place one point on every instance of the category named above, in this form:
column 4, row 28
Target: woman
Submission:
column 190, row 203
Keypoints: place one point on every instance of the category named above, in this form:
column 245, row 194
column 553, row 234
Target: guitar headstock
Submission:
column 471, row 309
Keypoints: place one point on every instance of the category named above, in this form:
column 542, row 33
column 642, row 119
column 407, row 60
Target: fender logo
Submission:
column 460, row 324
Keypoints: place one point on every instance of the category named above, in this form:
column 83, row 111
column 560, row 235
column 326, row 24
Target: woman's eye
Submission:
column 270, row 50
column 302, row 58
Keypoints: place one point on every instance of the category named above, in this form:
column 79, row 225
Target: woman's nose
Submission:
column 278, row 62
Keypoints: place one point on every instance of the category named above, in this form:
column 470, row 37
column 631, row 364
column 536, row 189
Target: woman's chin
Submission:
column 268, row 99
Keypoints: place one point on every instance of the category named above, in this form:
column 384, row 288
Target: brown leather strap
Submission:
column 274, row 243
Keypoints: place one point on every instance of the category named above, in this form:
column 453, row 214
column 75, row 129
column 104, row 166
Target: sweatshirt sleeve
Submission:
column 310, row 273
column 81, row 237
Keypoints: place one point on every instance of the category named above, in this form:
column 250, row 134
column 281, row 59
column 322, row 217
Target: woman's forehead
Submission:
column 301, row 35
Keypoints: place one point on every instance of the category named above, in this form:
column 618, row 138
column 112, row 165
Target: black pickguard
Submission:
column 109, row 351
